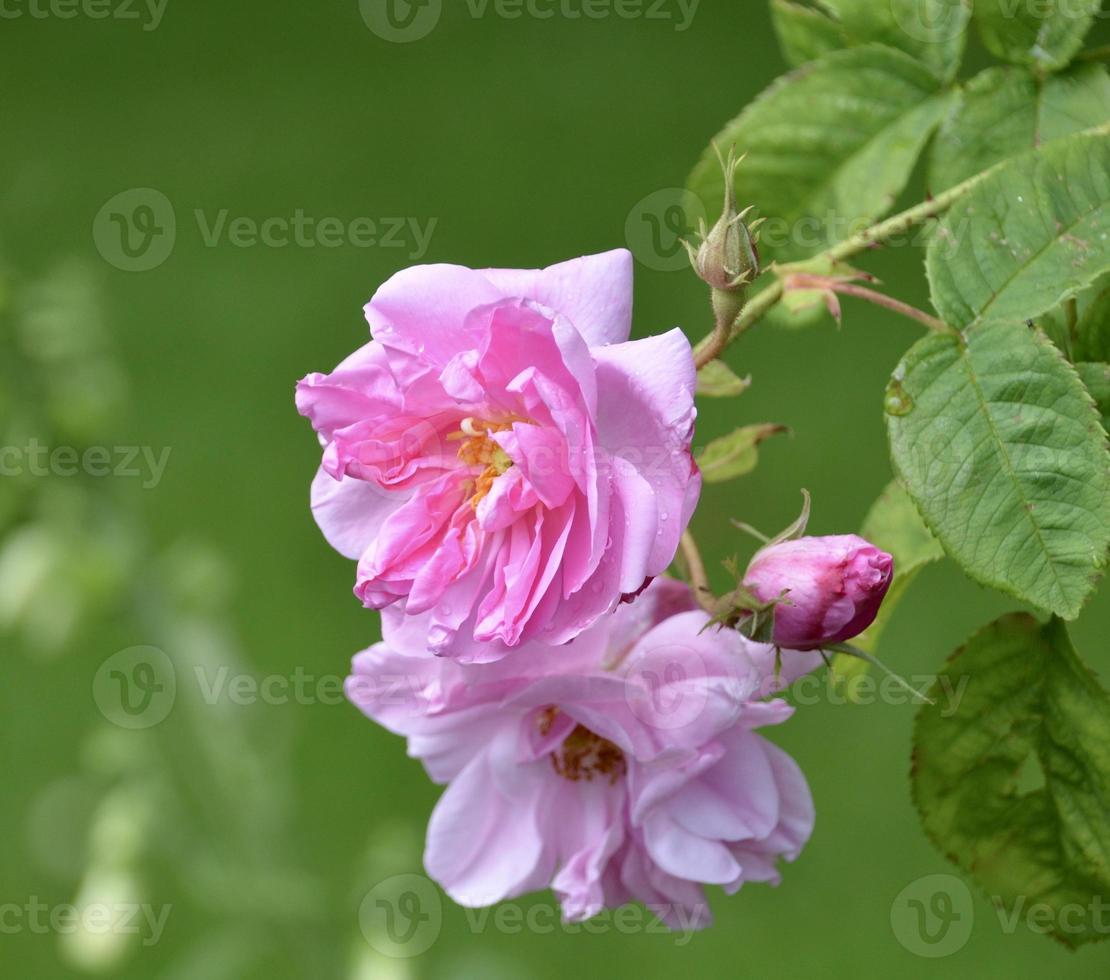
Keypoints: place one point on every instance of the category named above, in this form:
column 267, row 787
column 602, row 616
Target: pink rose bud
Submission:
column 831, row 588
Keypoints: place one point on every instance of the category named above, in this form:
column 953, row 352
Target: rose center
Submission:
column 478, row 449
column 584, row 754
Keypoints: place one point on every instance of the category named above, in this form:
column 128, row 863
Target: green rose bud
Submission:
column 728, row 258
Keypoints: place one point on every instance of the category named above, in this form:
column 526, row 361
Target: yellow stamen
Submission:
column 478, row 449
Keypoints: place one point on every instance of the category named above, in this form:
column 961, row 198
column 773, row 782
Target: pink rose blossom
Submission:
column 500, row 459
column 623, row 767
column 833, row 588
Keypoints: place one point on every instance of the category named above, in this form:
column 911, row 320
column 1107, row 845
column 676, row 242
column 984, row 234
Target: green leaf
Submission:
column 1004, row 112
column 804, row 33
column 736, row 454
column 1032, row 234
column 829, row 147
column 894, row 525
column 1030, row 712
column 1045, row 34
column 717, row 380
column 1096, row 376
column 933, row 31
column 1093, row 330
column 999, row 444
column 1082, row 330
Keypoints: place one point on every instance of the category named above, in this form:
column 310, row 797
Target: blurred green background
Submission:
column 264, row 825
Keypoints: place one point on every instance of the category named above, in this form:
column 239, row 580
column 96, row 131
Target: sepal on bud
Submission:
column 742, row 610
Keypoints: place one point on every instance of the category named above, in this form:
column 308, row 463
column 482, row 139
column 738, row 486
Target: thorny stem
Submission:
column 802, row 281
column 869, row 238
column 699, row 580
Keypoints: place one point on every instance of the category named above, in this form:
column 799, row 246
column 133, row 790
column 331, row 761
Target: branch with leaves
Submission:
column 996, row 417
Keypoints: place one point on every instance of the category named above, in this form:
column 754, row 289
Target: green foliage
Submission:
column 736, row 454
column 999, row 445
column 1096, row 376
column 1045, row 35
column 829, row 147
column 805, row 33
column 1030, row 712
column 718, row 380
column 1080, row 327
column 1092, row 332
column 1032, row 234
column 932, row 31
column 997, row 427
column 1006, row 111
